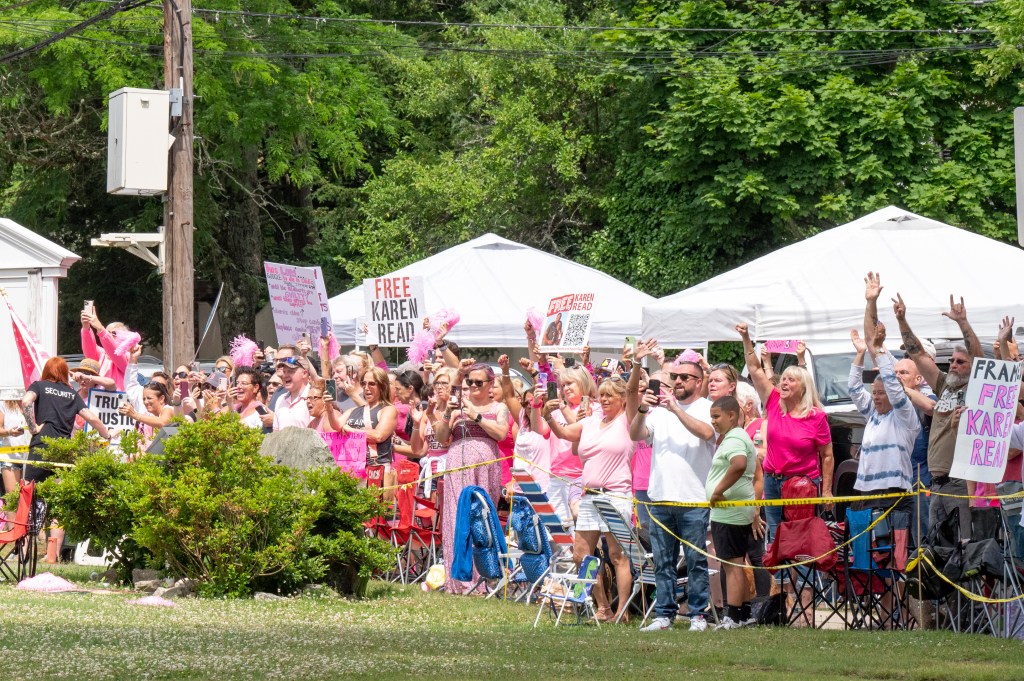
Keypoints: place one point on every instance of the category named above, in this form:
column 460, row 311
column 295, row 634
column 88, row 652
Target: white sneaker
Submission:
column 749, row 623
column 698, row 623
column 658, row 624
column 728, row 623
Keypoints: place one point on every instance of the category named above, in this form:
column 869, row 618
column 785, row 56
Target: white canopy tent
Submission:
column 814, row 289
column 491, row 282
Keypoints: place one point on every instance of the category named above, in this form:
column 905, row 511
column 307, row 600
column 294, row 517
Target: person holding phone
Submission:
column 578, row 402
column 606, row 449
column 377, row 418
column 425, row 444
column 111, row 364
column 473, row 424
column 326, row 418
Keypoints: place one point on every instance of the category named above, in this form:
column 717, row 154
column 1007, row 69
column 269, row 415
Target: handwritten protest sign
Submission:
column 782, row 347
column 298, row 300
column 567, row 323
column 394, row 309
column 349, row 451
column 105, row 403
column 983, row 437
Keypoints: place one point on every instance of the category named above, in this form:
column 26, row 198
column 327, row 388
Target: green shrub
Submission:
column 213, row 509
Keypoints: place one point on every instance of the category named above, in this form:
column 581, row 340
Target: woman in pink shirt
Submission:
column 799, row 441
column 578, row 391
column 606, row 450
column 111, row 365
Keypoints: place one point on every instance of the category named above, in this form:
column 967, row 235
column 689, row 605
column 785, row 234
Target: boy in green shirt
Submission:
column 731, row 478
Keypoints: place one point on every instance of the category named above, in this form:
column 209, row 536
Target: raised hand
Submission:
column 872, row 286
column 858, row 343
column 957, row 311
column 899, row 308
column 503, row 363
column 1005, row 330
column 526, row 364
column 644, row 348
column 742, row 330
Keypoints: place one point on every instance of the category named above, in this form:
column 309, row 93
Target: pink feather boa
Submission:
column 126, row 340
column 536, row 321
column 243, row 351
column 332, row 346
column 423, row 342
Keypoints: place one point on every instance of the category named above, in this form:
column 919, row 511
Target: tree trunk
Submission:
column 241, row 239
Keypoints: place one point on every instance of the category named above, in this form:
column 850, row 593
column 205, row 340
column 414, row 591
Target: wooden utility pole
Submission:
column 179, row 276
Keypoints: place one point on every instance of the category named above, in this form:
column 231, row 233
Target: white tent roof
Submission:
column 814, row 289
column 491, row 282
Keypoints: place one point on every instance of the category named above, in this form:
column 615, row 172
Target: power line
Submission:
column 121, row 6
column 551, row 27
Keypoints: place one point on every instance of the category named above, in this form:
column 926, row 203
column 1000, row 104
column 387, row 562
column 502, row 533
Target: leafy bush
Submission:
column 213, row 509
column 93, row 499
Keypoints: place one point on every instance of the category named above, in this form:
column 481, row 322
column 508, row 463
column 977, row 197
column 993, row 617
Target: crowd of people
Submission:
column 644, row 432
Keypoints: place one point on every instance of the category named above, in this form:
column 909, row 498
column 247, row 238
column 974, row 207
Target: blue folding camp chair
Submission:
column 571, row 590
column 874, row 569
column 560, row 541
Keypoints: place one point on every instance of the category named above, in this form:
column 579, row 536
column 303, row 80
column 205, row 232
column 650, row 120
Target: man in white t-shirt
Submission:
column 678, row 428
column 292, row 409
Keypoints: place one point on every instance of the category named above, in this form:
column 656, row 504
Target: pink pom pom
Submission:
column 332, row 346
column 442, row 316
column 688, row 356
column 536, row 321
column 243, row 351
column 421, row 346
column 126, row 340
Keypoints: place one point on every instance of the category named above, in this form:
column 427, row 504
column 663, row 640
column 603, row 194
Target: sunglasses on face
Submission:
column 313, row 398
column 476, row 382
column 958, row 361
column 685, row 377
column 274, row 384
column 367, row 384
column 221, row 368
column 182, row 374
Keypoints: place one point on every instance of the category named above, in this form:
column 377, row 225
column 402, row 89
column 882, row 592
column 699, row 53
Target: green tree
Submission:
column 753, row 140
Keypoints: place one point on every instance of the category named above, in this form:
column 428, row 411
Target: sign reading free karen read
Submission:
column 394, row 309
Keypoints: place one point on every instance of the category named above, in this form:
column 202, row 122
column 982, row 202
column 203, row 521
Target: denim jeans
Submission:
column 643, row 514
column 692, row 525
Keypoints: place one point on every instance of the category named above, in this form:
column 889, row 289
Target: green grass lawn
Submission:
column 403, row 632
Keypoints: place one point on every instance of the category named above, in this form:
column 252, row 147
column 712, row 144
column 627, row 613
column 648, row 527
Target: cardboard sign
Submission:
column 567, row 323
column 394, row 309
column 983, row 437
column 349, row 451
column 298, row 300
column 782, row 347
column 105, row 403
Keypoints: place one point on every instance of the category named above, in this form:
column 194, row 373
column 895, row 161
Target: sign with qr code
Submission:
column 567, row 323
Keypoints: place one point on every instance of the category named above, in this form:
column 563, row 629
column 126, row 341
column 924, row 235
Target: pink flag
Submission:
column 30, row 352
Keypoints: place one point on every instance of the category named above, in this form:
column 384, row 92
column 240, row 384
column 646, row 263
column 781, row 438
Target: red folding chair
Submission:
column 425, row 548
column 400, row 530
column 18, row 541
